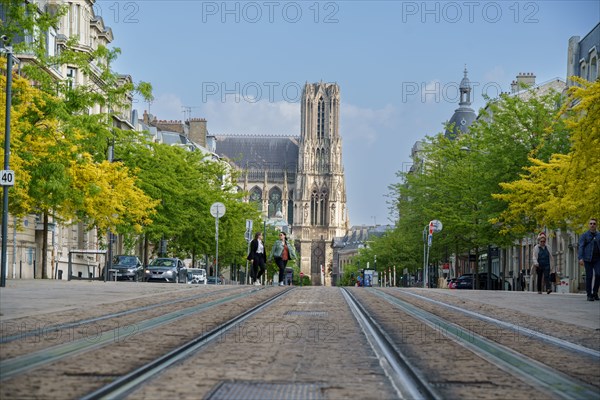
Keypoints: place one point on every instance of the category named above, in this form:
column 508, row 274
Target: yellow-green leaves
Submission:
column 565, row 191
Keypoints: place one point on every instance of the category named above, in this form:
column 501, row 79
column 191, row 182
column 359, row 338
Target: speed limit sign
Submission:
column 7, row 177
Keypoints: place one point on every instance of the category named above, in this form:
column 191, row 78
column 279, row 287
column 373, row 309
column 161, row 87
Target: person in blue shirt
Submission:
column 589, row 257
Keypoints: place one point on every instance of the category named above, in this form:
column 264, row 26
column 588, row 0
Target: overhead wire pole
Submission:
column 5, row 187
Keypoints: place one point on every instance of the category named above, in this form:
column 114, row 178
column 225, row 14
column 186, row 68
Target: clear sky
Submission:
column 241, row 65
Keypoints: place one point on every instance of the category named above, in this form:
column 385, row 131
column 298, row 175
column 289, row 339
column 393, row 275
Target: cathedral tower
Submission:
column 320, row 212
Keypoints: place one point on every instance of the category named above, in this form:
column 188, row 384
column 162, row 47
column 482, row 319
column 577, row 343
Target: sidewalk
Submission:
column 571, row 308
column 22, row 298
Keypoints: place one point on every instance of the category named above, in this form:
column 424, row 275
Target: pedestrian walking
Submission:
column 258, row 257
column 282, row 253
column 589, row 257
column 542, row 259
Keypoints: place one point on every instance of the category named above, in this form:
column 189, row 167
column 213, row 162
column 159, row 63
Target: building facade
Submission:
column 26, row 235
column 582, row 56
column 303, row 177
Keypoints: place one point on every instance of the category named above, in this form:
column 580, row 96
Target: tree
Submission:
column 57, row 176
column 59, row 140
column 185, row 184
column 453, row 180
column 561, row 191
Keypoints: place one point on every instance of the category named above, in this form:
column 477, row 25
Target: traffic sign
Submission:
column 436, row 226
column 7, row 177
column 217, row 210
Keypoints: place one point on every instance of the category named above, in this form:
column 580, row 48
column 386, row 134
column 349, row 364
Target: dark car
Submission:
column 167, row 270
column 213, row 280
column 125, row 267
column 465, row 281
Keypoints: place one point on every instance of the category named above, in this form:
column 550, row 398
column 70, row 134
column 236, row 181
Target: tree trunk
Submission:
column 146, row 248
column 45, row 247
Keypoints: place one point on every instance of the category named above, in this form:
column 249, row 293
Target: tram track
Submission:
column 571, row 379
column 550, row 346
column 121, row 324
column 307, row 342
column 408, row 381
column 565, row 344
column 126, row 384
column 71, row 360
column 47, row 329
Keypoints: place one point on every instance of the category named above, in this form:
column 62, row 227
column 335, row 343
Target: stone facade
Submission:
column 303, row 177
column 582, row 58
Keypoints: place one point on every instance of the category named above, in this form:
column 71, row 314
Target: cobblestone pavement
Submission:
column 307, row 342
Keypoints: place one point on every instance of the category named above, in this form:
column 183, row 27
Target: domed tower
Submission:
column 464, row 115
column 320, row 212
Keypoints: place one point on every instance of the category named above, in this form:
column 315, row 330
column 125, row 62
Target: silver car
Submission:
column 167, row 270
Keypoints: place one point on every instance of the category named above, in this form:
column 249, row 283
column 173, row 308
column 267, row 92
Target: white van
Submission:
column 196, row 275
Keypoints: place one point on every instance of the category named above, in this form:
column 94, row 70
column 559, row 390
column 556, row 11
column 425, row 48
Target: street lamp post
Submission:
column 5, row 187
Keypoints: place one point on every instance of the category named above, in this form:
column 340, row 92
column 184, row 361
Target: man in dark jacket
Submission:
column 257, row 257
column 589, row 256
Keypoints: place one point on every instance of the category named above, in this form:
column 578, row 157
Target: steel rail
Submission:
column 76, row 324
column 407, row 380
column 516, row 328
column 27, row 362
column 544, row 377
column 121, row 387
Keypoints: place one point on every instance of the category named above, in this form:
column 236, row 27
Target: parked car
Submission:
column 213, row 280
column 127, row 267
column 166, row 269
column 465, row 281
column 196, row 275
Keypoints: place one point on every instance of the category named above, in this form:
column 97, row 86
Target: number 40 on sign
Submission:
column 7, row 177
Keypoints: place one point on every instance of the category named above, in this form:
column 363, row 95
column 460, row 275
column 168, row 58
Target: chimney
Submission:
column 146, row 118
column 170, row 125
column 198, row 131
column 524, row 81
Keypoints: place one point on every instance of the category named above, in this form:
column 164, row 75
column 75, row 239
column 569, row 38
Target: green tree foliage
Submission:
column 60, row 146
column 453, row 180
column 185, row 184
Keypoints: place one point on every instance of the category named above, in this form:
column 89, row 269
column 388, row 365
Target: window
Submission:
column 318, row 207
column 274, row 202
column 256, row 197
column 321, row 119
column 593, row 68
column 71, row 77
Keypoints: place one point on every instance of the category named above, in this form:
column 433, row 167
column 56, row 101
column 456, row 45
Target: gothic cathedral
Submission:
column 299, row 179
